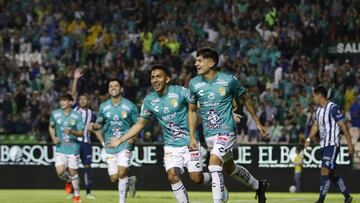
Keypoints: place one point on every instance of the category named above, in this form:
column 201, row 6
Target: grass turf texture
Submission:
column 58, row 196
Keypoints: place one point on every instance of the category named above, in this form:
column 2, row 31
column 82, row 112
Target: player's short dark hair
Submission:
column 85, row 95
column 208, row 52
column 67, row 97
column 115, row 80
column 321, row 90
column 161, row 67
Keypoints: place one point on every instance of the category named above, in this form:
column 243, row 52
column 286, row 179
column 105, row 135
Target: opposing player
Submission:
column 115, row 117
column 83, row 107
column 65, row 126
column 168, row 103
column 215, row 91
column 329, row 121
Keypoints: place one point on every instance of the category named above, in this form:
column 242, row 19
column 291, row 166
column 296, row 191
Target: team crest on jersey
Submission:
column 124, row 114
column 72, row 122
column 173, row 102
column 222, row 91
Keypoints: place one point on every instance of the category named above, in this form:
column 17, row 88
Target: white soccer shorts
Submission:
column 221, row 145
column 113, row 161
column 67, row 160
column 182, row 157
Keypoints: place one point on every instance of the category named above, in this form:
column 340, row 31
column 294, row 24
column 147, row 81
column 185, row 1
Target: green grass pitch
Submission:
column 58, row 196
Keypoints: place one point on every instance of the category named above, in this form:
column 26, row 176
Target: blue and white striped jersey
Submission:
column 327, row 119
column 87, row 117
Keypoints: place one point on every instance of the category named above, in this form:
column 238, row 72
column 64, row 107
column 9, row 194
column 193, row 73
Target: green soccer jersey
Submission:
column 171, row 111
column 60, row 121
column 215, row 99
column 116, row 121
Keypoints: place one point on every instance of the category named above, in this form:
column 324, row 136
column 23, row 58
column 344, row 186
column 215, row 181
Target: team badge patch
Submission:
column 124, row 114
column 173, row 102
column 222, row 91
column 72, row 122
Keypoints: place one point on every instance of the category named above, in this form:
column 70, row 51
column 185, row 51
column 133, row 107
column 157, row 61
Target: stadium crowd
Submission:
column 277, row 49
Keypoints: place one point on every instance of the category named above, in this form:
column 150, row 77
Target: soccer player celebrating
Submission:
column 83, row 107
column 65, row 126
column 168, row 103
column 215, row 91
column 116, row 115
column 329, row 120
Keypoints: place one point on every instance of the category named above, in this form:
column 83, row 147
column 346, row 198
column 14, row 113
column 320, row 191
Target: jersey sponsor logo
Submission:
column 213, row 120
column 195, row 156
column 169, row 117
column 222, row 91
column 74, row 116
column 116, row 117
column 146, row 112
column 222, row 82
column 58, row 114
column 166, row 110
column 221, row 140
column 198, row 85
column 176, row 131
column 59, row 121
column 107, row 107
column 117, row 131
column 156, row 109
column 173, row 95
column 174, row 102
column 124, row 114
column 210, row 103
column 155, row 101
column 126, row 107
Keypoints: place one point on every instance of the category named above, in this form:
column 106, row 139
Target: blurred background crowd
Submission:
column 278, row 49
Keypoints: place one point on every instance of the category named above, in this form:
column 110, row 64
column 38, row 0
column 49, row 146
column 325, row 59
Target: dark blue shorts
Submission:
column 85, row 153
column 329, row 155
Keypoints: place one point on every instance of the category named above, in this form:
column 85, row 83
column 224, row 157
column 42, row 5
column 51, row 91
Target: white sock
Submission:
column 75, row 180
column 65, row 176
column 122, row 189
column 242, row 174
column 207, row 178
column 180, row 192
column 217, row 182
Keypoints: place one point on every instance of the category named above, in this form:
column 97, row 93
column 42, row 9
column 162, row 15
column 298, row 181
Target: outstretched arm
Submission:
column 133, row 131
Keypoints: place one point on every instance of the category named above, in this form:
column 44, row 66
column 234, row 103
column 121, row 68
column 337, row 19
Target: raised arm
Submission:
column 77, row 75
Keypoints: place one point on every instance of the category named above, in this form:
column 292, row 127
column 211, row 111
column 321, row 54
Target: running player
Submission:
column 116, row 115
column 329, row 121
column 64, row 128
column 83, row 107
column 168, row 103
column 215, row 91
